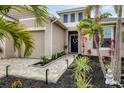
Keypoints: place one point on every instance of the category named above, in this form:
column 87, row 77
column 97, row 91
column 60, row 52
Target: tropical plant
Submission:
column 81, row 83
column 19, row 35
column 54, row 56
column 16, row 30
column 62, row 53
column 94, row 29
column 16, row 84
column 116, row 64
column 39, row 11
column 44, row 59
column 108, row 66
column 81, row 70
column 58, row 55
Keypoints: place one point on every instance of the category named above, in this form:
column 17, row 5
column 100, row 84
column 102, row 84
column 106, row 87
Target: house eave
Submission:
column 36, row 29
column 110, row 22
column 58, row 22
column 71, row 10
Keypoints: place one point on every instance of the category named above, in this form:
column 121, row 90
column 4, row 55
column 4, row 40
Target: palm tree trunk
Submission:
column 100, row 57
column 96, row 20
column 116, row 67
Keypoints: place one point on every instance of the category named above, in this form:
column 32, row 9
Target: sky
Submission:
column 54, row 8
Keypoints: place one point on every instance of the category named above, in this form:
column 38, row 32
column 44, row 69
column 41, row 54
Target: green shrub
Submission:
column 58, row 55
column 44, row 59
column 54, row 56
column 63, row 53
column 81, row 70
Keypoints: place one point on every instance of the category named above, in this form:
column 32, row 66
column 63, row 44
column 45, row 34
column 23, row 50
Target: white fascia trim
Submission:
column 24, row 19
column 109, row 22
column 36, row 28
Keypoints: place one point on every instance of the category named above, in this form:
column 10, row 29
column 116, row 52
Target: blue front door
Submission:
column 74, row 43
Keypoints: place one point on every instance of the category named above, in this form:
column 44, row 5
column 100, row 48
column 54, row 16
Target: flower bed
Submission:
column 45, row 60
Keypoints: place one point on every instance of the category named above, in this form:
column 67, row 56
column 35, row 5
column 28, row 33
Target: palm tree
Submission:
column 16, row 30
column 40, row 11
column 116, row 64
column 94, row 29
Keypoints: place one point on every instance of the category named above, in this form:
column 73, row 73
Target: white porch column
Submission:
column 66, row 41
column 79, row 43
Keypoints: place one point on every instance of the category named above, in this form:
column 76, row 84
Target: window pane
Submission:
column 106, row 43
column 80, row 16
column 108, row 32
column 72, row 17
column 65, row 18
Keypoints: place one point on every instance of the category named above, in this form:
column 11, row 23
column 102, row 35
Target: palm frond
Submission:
column 40, row 11
column 18, row 34
column 28, row 42
column 105, row 15
column 116, row 8
column 88, row 9
column 4, row 9
column 84, row 23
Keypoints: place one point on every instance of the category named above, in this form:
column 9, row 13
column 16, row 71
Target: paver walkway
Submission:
column 23, row 68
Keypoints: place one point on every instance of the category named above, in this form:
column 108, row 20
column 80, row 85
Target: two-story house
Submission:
column 59, row 35
column 71, row 17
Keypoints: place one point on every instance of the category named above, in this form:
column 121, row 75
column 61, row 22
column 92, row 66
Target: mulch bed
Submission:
column 65, row 81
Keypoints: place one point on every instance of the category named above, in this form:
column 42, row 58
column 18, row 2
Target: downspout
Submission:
column 52, row 36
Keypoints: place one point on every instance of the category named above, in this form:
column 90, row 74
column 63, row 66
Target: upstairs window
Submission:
column 73, row 17
column 80, row 16
column 65, row 18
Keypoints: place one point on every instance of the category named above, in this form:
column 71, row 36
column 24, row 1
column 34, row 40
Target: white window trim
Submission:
column 112, row 37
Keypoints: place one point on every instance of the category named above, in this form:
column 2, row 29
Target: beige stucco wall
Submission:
column 38, row 37
column 58, row 38
column 29, row 22
column 42, row 39
column 58, row 32
column 122, row 45
column 37, row 34
column 48, row 38
column 58, row 41
column 9, row 49
column 38, row 50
